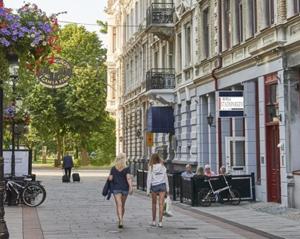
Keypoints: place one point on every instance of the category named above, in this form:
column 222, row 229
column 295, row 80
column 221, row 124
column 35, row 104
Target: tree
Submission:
column 74, row 116
column 86, row 91
column 103, row 26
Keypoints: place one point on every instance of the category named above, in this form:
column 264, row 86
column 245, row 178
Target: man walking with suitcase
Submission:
column 68, row 165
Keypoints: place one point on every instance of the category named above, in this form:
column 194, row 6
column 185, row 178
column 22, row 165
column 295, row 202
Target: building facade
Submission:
column 182, row 54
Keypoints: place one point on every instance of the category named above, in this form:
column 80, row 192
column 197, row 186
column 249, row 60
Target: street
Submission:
column 78, row 210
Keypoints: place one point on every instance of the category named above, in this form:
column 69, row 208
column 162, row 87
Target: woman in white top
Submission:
column 158, row 185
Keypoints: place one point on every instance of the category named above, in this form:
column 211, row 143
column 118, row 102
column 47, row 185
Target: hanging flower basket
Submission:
column 29, row 33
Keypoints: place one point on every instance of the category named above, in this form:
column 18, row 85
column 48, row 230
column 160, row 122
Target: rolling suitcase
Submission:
column 76, row 177
column 65, row 179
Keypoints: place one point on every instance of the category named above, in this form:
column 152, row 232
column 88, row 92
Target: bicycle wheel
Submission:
column 234, row 197
column 34, row 195
column 204, row 197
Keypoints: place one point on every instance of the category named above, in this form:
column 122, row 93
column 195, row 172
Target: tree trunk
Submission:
column 84, row 157
column 57, row 161
column 44, row 154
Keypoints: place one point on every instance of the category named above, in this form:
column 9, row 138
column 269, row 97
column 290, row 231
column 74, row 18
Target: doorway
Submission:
column 272, row 139
column 235, row 155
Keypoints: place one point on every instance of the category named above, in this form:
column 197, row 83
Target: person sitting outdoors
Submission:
column 200, row 171
column 222, row 171
column 188, row 173
column 207, row 171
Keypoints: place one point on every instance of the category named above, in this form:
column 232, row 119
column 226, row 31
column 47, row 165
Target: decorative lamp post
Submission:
column 14, row 75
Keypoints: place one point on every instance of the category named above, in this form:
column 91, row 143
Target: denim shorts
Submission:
column 159, row 188
column 123, row 192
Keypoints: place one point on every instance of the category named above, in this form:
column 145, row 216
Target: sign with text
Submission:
column 149, row 139
column 231, row 103
column 22, row 162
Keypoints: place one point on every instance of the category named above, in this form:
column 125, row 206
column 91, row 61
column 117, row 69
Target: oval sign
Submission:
column 56, row 75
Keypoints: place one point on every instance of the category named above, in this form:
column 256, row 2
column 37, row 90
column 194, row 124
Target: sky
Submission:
column 81, row 11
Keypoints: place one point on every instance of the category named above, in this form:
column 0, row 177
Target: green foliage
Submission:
column 103, row 26
column 73, row 118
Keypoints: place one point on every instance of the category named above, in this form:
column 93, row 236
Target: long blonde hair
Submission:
column 120, row 162
column 155, row 159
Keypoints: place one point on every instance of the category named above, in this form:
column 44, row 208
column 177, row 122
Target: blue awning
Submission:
column 160, row 119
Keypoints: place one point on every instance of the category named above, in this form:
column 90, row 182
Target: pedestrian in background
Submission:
column 222, row 171
column 68, row 164
column 121, row 185
column 158, row 185
column 188, row 173
column 207, row 171
column 200, row 171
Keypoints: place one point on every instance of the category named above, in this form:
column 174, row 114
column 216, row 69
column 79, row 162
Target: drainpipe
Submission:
column 213, row 74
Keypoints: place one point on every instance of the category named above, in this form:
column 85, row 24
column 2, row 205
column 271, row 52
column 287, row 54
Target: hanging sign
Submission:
column 56, row 75
column 231, row 103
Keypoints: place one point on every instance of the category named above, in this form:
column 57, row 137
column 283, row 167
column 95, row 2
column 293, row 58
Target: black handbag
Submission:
column 106, row 191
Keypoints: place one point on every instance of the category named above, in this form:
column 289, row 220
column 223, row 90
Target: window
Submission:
column 171, row 52
column 144, row 61
column 206, row 32
column 188, row 117
column 164, row 56
column 269, row 12
column 136, row 16
column 113, row 80
column 227, row 26
column 296, row 6
column 188, row 48
column 253, row 16
column 114, row 40
column 239, row 21
column 179, row 52
column 155, row 60
column 127, row 27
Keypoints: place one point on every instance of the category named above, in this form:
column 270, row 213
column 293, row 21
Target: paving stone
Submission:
column 78, row 211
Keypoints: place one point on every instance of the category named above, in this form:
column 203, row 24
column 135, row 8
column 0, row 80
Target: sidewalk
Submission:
column 267, row 217
column 78, row 211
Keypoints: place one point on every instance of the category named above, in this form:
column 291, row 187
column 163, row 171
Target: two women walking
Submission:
column 121, row 186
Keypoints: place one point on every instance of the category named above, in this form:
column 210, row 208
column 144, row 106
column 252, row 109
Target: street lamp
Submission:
column 4, row 234
column 14, row 75
column 210, row 120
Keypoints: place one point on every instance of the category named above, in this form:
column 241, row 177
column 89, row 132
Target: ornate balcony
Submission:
column 160, row 19
column 160, row 78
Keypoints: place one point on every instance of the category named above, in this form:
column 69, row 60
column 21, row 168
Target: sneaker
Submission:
column 120, row 225
column 160, row 225
column 153, row 224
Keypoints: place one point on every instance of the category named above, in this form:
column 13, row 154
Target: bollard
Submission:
column 291, row 188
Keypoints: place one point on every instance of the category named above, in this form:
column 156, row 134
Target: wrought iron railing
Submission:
column 160, row 78
column 160, row 13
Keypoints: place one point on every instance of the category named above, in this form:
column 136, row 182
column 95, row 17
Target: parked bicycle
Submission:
column 223, row 194
column 32, row 193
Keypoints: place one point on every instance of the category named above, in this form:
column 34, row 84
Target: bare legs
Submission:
column 161, row 205
column 154, row 199
column 120, row 206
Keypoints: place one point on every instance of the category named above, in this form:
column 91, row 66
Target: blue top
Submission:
column 67, row 161
column 119, row 181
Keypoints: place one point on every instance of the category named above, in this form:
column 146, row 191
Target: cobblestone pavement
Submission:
column 78, row 211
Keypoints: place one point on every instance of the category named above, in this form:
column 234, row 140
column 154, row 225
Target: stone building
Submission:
column 192, row 56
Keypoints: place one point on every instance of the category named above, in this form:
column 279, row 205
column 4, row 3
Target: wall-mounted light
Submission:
column 210, row 120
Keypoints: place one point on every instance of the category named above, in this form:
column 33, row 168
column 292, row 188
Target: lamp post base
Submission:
column 3, row 231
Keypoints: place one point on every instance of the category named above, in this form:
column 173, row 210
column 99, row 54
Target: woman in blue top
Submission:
column 121, row 184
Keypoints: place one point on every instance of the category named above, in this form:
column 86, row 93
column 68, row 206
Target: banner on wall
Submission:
column 160, row 119
column 231, row 103
column 22, row 162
